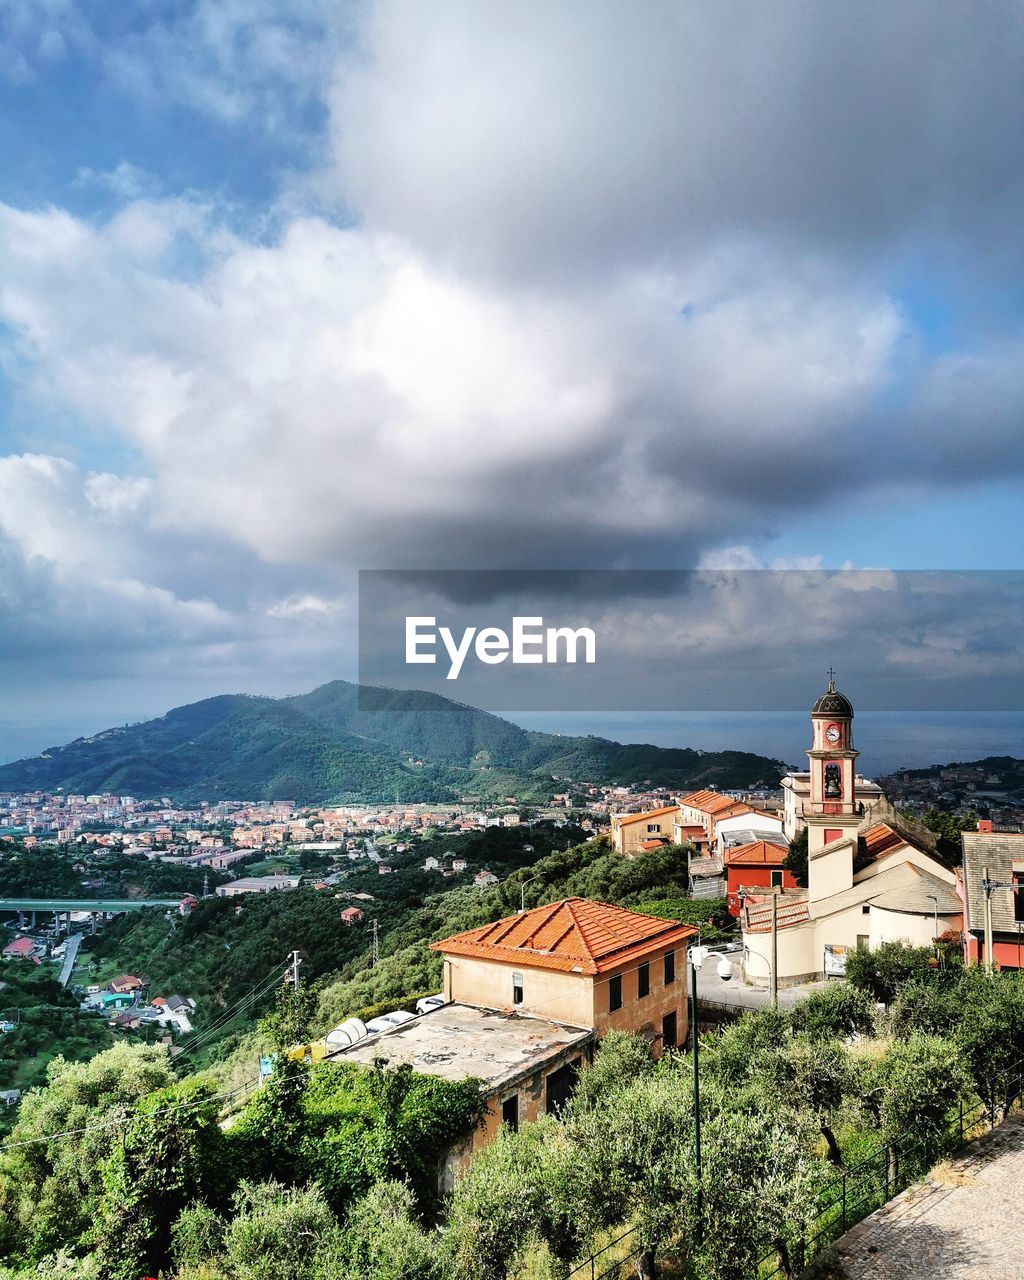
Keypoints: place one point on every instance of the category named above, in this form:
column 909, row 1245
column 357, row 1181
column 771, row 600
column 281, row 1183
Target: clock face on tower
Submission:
column 833, row 735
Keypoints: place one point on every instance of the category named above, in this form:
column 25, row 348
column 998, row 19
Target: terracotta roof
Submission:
column 759, row 853
column 654, row 844
column 713, row 802
column 625, row 819
column 20, row 947
column 698, row 799
column 793, row 908
column 574, row 936
column 881, row 838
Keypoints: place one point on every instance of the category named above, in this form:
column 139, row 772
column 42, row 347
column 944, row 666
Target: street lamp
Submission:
column 696, row 958
column 936, row 910
column 522, row 891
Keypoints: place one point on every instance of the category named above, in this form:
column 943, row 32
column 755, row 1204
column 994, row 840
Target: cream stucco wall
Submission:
column 577, row 999
column 830, row 870
column 548, row 993
column 801, row 949
column 796, row 952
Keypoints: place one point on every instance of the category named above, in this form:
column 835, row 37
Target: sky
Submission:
column 294, row 288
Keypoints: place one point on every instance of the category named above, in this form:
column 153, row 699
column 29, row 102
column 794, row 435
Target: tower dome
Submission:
column 831, row 702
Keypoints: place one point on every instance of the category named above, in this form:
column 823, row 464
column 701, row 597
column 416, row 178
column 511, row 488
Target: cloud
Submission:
column 559, row 286
column 336, row 396
column 539, row 141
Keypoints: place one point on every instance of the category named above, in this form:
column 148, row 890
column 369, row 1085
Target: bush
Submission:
column 883, row 971
column 836, row 1012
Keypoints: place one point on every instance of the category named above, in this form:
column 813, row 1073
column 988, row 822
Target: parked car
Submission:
column 388, row 1021
column 427, row 1003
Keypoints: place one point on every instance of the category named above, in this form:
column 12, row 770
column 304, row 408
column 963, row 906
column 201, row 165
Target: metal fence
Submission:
column 844, row 1200
column 871, row 1182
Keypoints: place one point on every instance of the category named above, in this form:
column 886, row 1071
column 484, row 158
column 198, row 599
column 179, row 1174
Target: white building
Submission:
column 873, row 876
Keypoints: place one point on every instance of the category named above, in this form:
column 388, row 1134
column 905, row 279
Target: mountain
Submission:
column 322, row 746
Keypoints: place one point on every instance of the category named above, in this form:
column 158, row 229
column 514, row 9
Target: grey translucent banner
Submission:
column 692, row 640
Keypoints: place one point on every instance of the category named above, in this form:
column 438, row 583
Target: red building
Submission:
column 757, row 865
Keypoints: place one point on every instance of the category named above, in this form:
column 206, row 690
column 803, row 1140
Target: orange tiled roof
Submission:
column 625, row 819
column 698, row 799
column 713, row 802
column 574, row 936
column 756, row 854
column 881, row 838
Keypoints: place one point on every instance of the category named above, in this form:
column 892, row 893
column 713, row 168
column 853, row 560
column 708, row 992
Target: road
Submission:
column 70, row 955
column 736, row 994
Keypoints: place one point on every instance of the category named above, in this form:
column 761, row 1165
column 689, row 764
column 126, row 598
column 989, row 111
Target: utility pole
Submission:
column 775, row 950
column 375, row 945
column 695, row 956
column 296, row 961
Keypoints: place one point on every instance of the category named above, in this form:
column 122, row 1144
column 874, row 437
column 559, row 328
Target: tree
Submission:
column 990, row 1033
column 49, row 1190
column 171, row 1154
column 883, row 971
column 383, row 1241
column 796, row 859
column 909, row 1092
column 810, row 1078
column 838, row 1011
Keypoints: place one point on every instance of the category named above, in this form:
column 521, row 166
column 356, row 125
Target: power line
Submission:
column 251, row 997
column 124, row 1119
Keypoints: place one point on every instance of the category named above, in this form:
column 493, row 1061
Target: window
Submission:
column 614, row 994
column 654, row 826
column 670, row 967
column 1018, row 897
column 643, row 981
column 510, row 1112
column 776, row 879
column 863, row 942
column 866, row 909
column 669, row 1033
column 517, row 988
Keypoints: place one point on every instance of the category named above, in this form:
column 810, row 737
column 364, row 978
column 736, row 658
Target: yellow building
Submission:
column 631, row 831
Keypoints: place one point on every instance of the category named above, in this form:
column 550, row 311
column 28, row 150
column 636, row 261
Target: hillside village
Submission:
column 770, row 892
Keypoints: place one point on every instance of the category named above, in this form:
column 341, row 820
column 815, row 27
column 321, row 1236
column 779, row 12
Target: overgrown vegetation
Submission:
column 340, row 1163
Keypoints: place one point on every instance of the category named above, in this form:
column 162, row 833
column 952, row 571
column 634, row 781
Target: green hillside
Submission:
column 321, row 746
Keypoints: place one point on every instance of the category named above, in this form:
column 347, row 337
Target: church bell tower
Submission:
column 832, row 810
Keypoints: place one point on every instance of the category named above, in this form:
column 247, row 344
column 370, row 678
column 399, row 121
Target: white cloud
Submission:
column 336, row 396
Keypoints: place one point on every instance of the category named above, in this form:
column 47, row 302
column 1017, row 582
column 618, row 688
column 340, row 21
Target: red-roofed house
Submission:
column 757, row 865
column 20, row 949
column 585, row 963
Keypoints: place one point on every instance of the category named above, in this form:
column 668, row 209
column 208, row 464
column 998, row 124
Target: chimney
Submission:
column 985, row 824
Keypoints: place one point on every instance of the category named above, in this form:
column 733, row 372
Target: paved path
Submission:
column 70, row 954
column 737, row 994
column 961, row 1224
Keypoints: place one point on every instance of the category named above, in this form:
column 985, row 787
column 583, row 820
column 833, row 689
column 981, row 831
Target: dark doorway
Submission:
column 560, row 1085
column 669, row 1032
column 510, row 1112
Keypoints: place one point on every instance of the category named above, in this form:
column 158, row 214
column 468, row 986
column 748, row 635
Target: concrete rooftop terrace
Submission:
column 460, row 1040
